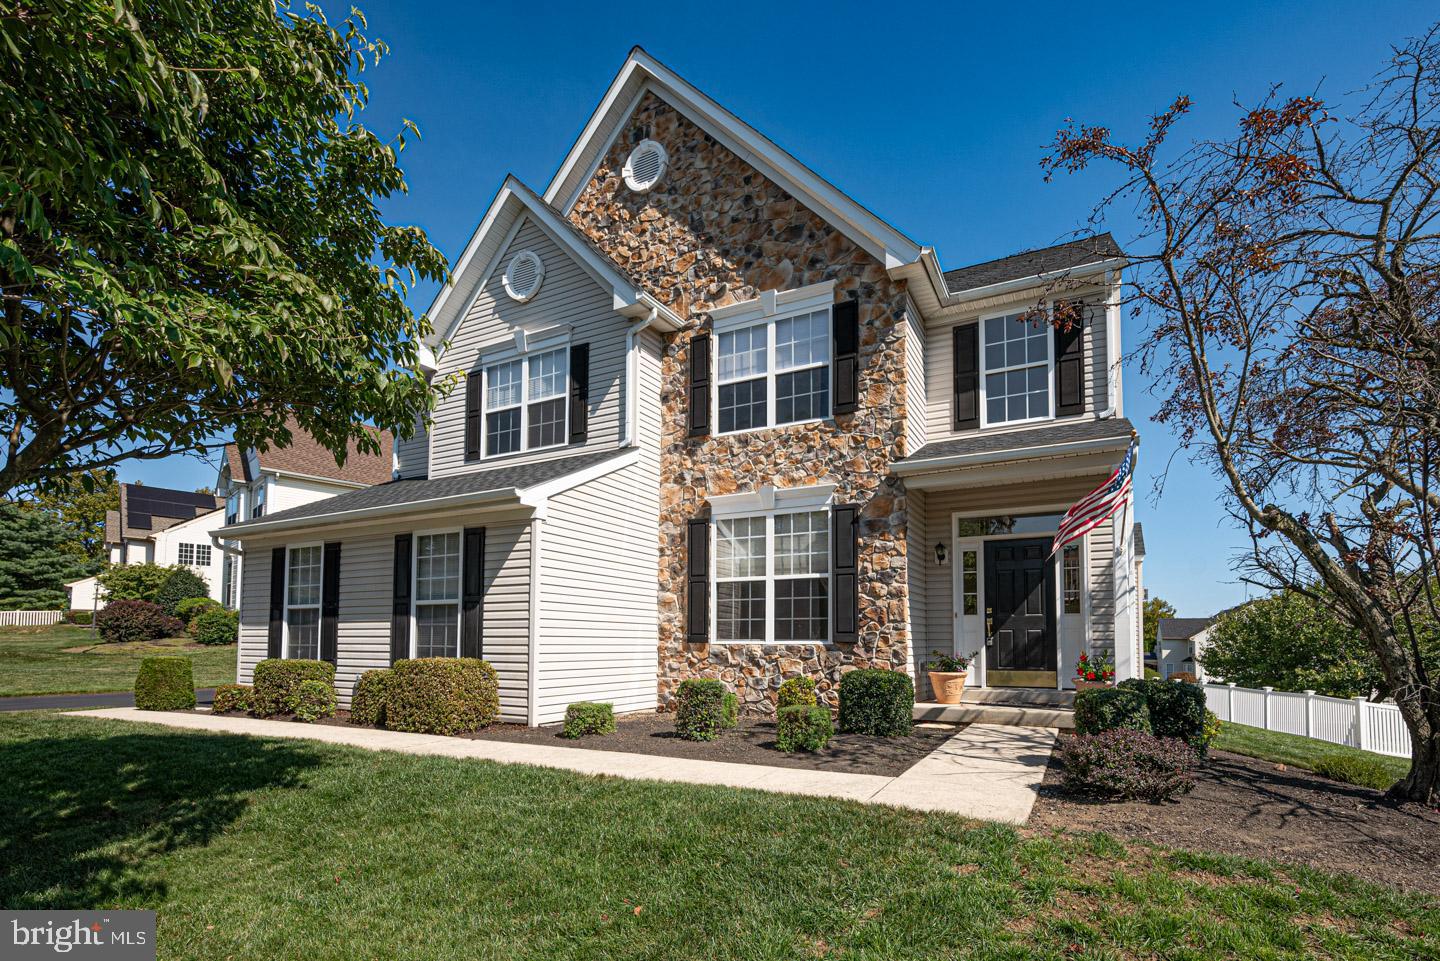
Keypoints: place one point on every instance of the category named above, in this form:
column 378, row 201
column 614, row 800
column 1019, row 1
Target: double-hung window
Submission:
column 774, row 373
column 437, row 594
column 772, row 577
column 257, row 501
column 302, row 602
column 232, row 507
column 525, row 402
column 1016, row 381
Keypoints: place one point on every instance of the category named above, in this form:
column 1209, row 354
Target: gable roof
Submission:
column 1034, row 264
column 641, row 73
column 1182, row 628
column 309, row 457
column 145, row 511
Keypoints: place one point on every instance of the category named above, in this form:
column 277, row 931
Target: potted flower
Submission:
column 1096, row 671
column 947, row 676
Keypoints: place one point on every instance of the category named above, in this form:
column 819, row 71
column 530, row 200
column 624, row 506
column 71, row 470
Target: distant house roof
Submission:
column 145, row 511
column 1182, row 628
column 1139, row 539
column 1034, row 263
column 306, row 455
column 1117, row 429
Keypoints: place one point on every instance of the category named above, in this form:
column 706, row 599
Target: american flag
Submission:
column 1099, row 505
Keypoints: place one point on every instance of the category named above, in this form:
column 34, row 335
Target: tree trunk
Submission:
column 1422, row 784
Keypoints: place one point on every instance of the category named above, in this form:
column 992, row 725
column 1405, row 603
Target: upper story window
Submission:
column 1015, row 377
column 232, row 507
column 774, row 373
column 257, row 501
column 525, row 402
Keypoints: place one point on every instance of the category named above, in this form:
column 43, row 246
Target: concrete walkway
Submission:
column 62, row 702
column 987, row 771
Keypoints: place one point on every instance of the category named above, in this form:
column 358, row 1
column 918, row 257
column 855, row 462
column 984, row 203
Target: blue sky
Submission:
column 936, row 120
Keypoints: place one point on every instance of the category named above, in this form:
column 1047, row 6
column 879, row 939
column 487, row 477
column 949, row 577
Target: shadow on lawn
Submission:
column 81, row 817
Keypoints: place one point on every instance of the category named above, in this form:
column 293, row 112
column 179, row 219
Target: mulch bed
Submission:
column 1254, row 808
column 753, row 742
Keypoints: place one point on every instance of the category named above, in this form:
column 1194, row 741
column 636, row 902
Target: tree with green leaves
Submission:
column 80, row 503
column 34, row 564
column 191, row 246
column 1154, row 609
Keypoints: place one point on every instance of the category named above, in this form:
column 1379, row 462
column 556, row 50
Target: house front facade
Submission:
column 1179, row 642
column 700, row 414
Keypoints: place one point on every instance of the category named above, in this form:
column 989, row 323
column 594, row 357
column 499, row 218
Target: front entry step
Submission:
column 988, row 713
column 1019, row 696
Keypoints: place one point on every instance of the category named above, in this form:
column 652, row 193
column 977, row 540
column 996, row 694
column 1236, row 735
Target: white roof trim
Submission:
column 768, row 498
column 1062, row 449
column 642, row 72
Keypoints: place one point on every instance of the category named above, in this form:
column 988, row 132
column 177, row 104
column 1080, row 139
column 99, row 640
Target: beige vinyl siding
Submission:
column 568, row 296
column 598, row 637
column 367, row 559
column 917, row 428
column 919, row 548
column 412, row 457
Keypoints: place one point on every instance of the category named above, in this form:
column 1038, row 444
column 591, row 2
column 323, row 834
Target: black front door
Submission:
column 1019, row 606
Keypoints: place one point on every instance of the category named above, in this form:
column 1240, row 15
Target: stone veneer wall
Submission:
column 715, row 231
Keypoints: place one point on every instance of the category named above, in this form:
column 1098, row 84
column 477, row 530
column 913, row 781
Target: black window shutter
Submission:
column 846, row 363
column 844, row 551
column 1070, row 362
column 474, row 391
column 579, row 393
column 330, row 603
column 472, row 596
column 277, row 602
column 699, row 403
column 697, row 594
column 400, row 608
column 967, row 377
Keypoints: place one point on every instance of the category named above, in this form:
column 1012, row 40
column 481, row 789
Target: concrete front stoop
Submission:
column 1012, row 707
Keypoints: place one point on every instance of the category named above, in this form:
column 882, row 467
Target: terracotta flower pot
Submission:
column 947, row 686
column 1083, row 685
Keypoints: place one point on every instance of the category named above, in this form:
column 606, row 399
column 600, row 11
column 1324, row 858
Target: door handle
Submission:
column 989, row 626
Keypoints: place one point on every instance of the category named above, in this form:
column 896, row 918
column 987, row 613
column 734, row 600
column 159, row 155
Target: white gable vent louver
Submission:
column 523, row 276
column 646, row 166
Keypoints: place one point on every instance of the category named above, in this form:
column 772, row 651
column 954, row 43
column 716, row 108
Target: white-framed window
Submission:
column 1071, row 579
column 526, row 405
column 437, row 595
column 232, row 507
column 1016, row 363
column 230, row 582
column 969, row 581
column 194, row 555
column 257, row 501
column 303, row 567
column 772, row 577
column 773, row 373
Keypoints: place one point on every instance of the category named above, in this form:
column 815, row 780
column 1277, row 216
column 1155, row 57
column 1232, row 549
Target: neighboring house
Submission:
column 714, row 418
column 253, row 483
column 1178, row 644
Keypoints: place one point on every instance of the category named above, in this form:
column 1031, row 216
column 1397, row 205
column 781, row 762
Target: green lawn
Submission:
column 1294, row 750
column 253, row 848
column 33, row 661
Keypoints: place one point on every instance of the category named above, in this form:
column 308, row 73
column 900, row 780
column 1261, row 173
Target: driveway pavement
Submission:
column 76, row 702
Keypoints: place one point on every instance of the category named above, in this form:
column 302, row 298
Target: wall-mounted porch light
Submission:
column 940, row 554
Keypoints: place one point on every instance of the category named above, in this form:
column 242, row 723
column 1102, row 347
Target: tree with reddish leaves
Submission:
column 1289, row 277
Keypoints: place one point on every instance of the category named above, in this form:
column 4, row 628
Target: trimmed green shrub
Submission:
column 83, row 618
column 182, row 583
column 1177, row 708
column 803, row 727
column 442, row 695
column 314, row 700
column 1213, row 726
column 165, row 684
column 797, row 690
column 1354, row 769
column 367, row 703
column 188, row 608
column 124, row 622
column 730, row 710
column 215, row 626
column 1129, row 764
column 134, row 582
column 700, row 709
column 231, row 697
column 876, row 701
column 277, row 683
column 1111, row 709
column 589, row 717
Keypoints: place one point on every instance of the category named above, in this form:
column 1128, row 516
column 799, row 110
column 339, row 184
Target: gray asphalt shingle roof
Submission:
column 1139, row 539
column 1033, row 263
column 1117, row 428
column 1182, row 628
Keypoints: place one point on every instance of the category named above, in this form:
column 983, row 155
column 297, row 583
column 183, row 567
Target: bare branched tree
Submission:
column 1290, row 283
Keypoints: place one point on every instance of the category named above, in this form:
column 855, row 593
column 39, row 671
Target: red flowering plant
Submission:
column 1098, row 668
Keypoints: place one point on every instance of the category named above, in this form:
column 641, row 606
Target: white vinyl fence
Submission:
column 30, row 618
column 1367, row 725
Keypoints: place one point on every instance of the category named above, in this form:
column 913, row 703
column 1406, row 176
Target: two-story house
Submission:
column 704, row 415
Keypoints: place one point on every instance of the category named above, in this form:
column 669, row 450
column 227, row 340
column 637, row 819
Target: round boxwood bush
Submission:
column 878, row 702
column 1355, row 769
column 797, row 690
column 700, row 709
column 589, row 717
column 1177, row 708
column 277, row 684
column 803, row 727
column 122, row 622
column 215, row 626
column 165, row 684
column 442, row 695
column 231, row 697
column 367, row 702
column 1111, row 709
column 191, row 606
column 182, row 584
column 314, row 700
column 1128, row 764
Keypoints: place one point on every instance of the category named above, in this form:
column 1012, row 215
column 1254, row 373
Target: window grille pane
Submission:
column 502, row 431
column 802, row 395
column 802, row 609
column 202, row 555
column 547, row 423
column 740, row 610
column 742, row 405
column 802, row 341
column 187, row 554
column 547, row 375
column 304, row 579
column 802, row 543
column 970, row 581
column 305, row 633
column 437, row 630
column 740, row 547
column 502, row 385
column 742, row 353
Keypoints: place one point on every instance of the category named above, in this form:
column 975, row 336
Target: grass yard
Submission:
column 34, row 660
column 1294, row 750
column 253, row 848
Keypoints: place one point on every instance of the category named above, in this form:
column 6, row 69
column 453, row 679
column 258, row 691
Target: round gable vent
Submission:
column 522, row 278
column 646, row 166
